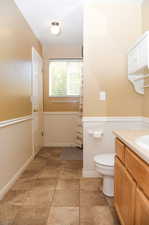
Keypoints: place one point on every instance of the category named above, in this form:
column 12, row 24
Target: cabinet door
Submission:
column 120, row 150
column 142, row 209
column 125, row 188
column 143, row 53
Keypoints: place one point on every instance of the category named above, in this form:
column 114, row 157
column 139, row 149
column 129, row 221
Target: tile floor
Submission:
column 52, row 192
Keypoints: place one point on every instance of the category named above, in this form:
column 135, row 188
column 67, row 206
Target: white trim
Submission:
column 61, row 145
column 89, row 173
column 8, row 186
column 146, row 120
column 94, row 119
column 61, row 113
column 16, row 120
column 65, row 96
column 64, row 101
column 113, row 119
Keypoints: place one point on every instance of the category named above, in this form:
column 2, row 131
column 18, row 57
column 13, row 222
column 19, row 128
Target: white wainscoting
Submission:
column 105, row 144
column 16, row 150
column 146, row 122
column 60, row 128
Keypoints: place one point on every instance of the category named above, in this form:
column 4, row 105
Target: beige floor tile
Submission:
column 114, row 214
column 86, row 216
column 49, row 173
column 64, row 216
column 110, row 201
column 50, row 155
column 15, row 197
column 99, row 215
column 44, row 154
column 29, row 175
column 38, row 161
column 36, row 167
column 72, row 164
column 49, row 183
column 39, row 197
column 112, row 209
column 53, row 163
column 32, row 216
column 70, row 174
column 65, row 198
column 56, row 149
column 103, row 216
column 92, row 198
column 23, row 184
column 8, row 213
column 55, row 155
column 68, row 184
column 90, row 184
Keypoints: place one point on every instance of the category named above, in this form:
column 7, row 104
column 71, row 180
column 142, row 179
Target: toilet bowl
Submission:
column 105, row 167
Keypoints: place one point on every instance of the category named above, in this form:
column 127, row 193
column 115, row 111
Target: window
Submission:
column 65, row 78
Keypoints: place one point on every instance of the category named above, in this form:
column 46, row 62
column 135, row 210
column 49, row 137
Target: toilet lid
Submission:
column 105, row 159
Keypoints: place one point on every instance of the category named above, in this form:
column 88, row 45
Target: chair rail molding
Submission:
column 6, row 123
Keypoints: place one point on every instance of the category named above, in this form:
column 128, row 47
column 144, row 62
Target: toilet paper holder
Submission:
column 96, row 133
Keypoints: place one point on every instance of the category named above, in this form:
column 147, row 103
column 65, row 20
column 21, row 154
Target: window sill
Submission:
column 70, row 96
column 64, row 101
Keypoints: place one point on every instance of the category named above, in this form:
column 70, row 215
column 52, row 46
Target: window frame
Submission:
column 61, row 59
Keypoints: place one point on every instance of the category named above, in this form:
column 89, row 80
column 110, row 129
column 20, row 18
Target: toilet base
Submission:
column 108, row 186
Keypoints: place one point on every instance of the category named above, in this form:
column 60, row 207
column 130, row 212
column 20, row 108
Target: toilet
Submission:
column 105, row 167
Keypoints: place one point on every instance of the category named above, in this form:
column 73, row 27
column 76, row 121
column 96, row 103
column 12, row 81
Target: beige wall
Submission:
column 16, row 41
column 145, row 18
column 53, row 53
column 109, row 31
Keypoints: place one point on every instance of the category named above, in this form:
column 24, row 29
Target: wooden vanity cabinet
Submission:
column 142, row 209
column 125, row 188
column 131, row 181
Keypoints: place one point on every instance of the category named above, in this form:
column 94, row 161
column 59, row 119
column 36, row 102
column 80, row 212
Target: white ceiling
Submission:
column 39, row 14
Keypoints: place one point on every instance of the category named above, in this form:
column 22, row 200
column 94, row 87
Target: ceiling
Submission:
column 39, row 14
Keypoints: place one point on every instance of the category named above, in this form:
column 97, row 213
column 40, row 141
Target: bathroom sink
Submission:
column 143, row 142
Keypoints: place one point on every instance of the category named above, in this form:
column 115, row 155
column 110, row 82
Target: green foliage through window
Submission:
column 65, row 78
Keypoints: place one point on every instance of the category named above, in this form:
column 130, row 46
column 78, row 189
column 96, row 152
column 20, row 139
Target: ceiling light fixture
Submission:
column 55, row 28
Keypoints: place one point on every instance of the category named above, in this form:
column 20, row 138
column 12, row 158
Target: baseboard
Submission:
column 112, row 119
column 8, row 186
column 90, row 173
column 60, row 145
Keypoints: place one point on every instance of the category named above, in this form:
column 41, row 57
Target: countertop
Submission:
column 128, row 137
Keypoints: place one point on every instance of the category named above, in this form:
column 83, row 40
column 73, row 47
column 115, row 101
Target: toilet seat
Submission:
column 105, row 159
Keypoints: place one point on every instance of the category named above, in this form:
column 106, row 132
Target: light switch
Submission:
column 102, row 96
